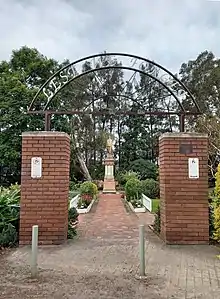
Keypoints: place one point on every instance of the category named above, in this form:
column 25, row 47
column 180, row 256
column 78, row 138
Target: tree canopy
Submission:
column 109, row 90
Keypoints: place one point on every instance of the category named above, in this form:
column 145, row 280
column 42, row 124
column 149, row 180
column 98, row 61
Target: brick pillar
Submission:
column 184, row 200
column 44, row 201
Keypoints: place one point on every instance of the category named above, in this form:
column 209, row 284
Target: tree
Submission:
column 19, row 78
column 202, row 77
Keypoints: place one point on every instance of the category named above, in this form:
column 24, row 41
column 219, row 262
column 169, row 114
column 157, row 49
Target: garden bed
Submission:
column 136, row 205
column 74, row 202
column 137, row 209
column 143, row 204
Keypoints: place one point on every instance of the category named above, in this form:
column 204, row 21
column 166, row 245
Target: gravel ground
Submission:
column 107, row 268
column 103, row 263
column 81, row 269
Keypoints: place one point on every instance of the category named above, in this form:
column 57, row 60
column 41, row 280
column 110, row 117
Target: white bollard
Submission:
column 142, row 250
column 34, row 249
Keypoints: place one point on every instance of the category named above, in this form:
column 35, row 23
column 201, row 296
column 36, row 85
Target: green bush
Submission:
column 8, row 236
column 72, row 220
column 216, row 195
column 211, row 221
column 216, row 233
column 9, row 215
column 150, row 188
column 145, row 168
column 156, row 224
column 133, row 189
column 88, row 188
column 123, row 177
column 99, row 184
column 74, row 186
column 214, row 209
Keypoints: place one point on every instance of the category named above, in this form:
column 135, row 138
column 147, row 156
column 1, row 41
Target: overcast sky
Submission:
column 167, row 31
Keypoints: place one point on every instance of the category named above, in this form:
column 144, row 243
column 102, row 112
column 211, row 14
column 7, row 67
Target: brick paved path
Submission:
column 109, row 219
column 103, row 261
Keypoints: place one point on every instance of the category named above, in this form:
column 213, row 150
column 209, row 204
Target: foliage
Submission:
column 136, row 135
column 133, row 189
column 84, row 201
column 210, row 124
column 72, row 221
column 97, row 171
column 73, row 214
column 8, row 236
column 74, row 186
column 99, row 184
column 145, row 168
column 136, row 203
column 211, row 221
column 150, row 188
column 124, row 176
column 19, row 78
column 155, row 205
column 9, row 215
column 216, row 234
column 88, row 188
column 216, row 197
column 156, row 224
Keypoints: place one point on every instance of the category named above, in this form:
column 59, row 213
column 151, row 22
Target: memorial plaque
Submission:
column 186, row 149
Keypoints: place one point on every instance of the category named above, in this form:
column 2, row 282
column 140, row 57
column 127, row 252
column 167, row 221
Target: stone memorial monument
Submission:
column 109, row 180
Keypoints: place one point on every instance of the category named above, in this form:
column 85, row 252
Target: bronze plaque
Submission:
column 185, row 149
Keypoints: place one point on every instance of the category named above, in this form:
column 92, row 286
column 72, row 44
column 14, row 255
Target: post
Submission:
column 47, row 125
column 34, row 251
column 182, row 122
column 142, row 250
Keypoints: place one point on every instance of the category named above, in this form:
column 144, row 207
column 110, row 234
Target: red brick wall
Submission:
column 44, row 201
column 184, row 201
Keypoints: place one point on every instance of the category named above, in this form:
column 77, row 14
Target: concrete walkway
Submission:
column 103, row 262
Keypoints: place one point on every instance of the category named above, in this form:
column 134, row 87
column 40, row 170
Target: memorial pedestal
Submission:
column 109, row 180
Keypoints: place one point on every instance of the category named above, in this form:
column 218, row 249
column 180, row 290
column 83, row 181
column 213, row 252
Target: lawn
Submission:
column 155, row 205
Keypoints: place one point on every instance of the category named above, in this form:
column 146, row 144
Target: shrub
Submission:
column 133, row 189
column 88, row 188
column 156, row 224
column 216, row 234
column 8, row 236
column 72, row 221
column 211, row 221
column 216, row 198
column 150, row 188
column 136, row 203
column 145, row 168
column 9, row 215
column 74, row 186
column 84, row 201
column 99, row 184
column 123, row 177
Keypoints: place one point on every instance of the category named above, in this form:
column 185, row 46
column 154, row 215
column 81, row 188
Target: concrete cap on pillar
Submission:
column 183, row 135
column 45, row 134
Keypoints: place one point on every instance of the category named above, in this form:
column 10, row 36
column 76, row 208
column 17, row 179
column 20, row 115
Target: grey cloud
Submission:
column 167, row 31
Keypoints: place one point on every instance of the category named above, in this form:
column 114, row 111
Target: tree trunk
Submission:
column 83, row 166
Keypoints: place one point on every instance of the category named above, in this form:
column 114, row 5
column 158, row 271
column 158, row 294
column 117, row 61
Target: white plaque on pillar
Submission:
column 193, row 165
column 36, row 167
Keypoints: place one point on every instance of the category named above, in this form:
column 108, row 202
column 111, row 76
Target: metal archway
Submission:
column 73, row 71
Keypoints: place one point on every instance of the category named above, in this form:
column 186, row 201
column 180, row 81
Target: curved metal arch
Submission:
column 123, row 55
column 118, row 67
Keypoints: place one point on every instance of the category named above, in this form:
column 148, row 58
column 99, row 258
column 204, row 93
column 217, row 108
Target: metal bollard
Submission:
column 142, row 250
column 34, row 251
